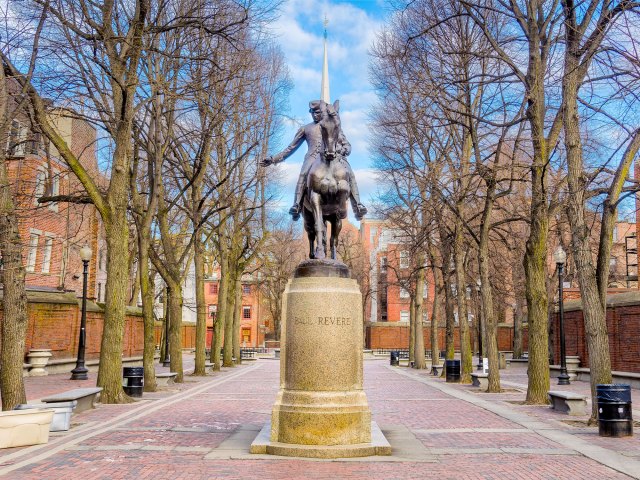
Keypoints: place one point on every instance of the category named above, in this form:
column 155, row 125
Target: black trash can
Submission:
column 133, row 381
column 452, row 368
column 395, row 358
column 614, row 410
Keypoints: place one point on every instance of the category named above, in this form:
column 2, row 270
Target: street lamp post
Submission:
column 80, row 372
column 560, row 257
column 167, row 356
column 480, row 364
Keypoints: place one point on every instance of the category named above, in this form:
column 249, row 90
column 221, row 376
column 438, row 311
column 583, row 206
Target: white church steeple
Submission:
column 324, row 93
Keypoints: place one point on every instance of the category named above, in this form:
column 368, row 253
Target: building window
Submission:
column 404, row 315
column 33, row 251
column 46, row 257
column 404, row 293
column 373, row 232
column 425, row 290
column 41, row 179
column 246, row 312
column 55, row 190
column 246, row 336
column 213, row 288
column 213, row 312
column 404, row 259
column 99, row 292
column 17, row 139
column 383, row 264
column 246, row 289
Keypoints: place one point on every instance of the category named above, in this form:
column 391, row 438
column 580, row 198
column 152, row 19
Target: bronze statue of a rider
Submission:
column 312, row 135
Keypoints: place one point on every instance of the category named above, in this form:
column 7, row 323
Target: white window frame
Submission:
column 245, row 308
column 46, row 253
column 373, row 233
column 404, row 293
column 41, row 184
column 34, row 240
column 404, row 315
column 55, row 190
column 404, row 259
column 17, row 141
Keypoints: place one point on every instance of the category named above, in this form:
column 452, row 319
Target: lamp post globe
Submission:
column 80, row 372
column 560, row 257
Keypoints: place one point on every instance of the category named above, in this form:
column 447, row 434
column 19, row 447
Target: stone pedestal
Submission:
column 321, row 409
column 572, row 367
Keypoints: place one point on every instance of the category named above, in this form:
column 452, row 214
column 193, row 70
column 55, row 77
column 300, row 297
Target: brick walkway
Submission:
column 202, row 429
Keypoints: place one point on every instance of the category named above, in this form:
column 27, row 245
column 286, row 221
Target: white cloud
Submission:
column 351, row 31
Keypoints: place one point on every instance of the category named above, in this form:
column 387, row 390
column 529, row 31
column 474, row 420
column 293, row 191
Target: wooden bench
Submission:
column 480, row 380
column 568, row 402
column 165, row 379
column 84, row 396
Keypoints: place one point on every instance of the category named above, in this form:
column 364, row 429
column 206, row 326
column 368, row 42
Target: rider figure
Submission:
column 312, row 135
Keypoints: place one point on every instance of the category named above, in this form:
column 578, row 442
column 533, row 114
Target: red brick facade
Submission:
column 391, row 264
column 56, row 325
column 53, row 233
column 389, row 336
column 623, row 327
column 253, row 322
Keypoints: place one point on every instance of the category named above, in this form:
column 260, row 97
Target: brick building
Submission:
column 53, row 233
column 390, row 266
column 254, row 319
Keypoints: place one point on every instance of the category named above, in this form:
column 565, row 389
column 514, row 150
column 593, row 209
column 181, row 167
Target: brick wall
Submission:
column 623, row 327
column 56, row 326
column 188, row 335
column 394, row 335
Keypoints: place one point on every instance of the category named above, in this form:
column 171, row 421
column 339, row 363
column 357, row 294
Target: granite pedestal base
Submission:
column 321, row 409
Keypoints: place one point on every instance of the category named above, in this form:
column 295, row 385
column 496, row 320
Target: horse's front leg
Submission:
column 310, row 229
column 336, row 226
column 318, row 224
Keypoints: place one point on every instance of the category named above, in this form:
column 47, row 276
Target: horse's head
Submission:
column 330, row 128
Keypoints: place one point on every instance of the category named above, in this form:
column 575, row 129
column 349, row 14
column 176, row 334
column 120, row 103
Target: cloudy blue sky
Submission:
column 352, row 28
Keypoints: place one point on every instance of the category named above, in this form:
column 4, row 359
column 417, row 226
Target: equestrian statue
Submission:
column 326, row 179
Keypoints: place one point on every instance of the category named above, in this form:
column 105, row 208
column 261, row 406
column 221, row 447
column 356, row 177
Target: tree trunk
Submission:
column 201, row 310
column 420, row 361
column 223, row 292
column 227, row 359
column 110, row 370
column 435, row 316
column 14, row 302
column 175, row 331
column 535, row 258
column 517, row 318
column 594, row 312
column 488, row 318
column 237, row 311
column 412, row 330
column 466, row 358
column 147, row 291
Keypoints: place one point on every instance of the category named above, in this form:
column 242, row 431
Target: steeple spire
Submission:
column 324, row 93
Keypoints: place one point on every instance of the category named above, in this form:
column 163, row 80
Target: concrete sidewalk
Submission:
column 203, row 428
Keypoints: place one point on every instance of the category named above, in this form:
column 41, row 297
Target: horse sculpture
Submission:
column 327, row 190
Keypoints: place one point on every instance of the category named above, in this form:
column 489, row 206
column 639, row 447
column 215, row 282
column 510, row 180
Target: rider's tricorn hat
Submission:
column 315, row 105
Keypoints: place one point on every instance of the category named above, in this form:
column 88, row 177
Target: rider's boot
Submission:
column 359, row 210
column 295, row 210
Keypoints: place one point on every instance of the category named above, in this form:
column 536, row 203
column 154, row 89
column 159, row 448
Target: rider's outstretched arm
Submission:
column 293, row 146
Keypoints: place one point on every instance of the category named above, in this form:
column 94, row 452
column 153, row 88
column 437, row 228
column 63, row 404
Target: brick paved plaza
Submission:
column 203, row 428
